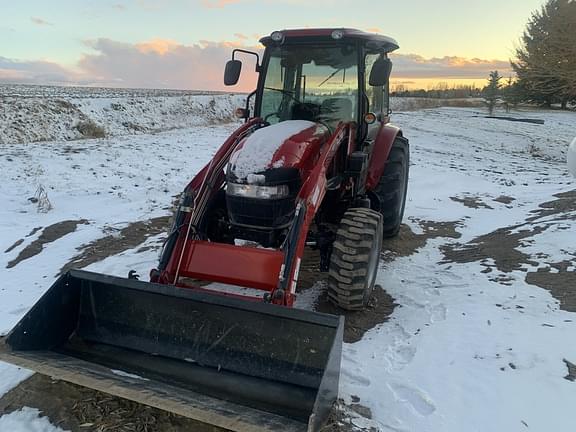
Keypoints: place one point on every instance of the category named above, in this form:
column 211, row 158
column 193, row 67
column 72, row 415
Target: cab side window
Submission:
column 377, row 96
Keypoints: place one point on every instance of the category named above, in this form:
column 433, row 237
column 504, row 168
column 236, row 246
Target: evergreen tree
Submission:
column 546, row 61
column 492, row 91
column 512, row 94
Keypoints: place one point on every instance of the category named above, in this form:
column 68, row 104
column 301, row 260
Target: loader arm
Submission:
column 308, row 202
column 192, row 207
column 273, row 271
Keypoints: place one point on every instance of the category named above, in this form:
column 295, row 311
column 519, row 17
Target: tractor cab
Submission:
column 320, row 75
column 311, row 84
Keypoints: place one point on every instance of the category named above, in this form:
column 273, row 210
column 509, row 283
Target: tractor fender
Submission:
column 380, row 152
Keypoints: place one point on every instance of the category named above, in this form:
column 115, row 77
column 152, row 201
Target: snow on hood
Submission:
column 259, row 148
column 572, row 158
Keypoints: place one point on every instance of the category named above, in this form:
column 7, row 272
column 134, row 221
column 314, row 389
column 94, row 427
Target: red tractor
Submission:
column 316, row 163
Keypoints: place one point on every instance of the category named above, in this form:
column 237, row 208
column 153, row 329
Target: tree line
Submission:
column 545, row 62
column 441, row 90
column 544, row 65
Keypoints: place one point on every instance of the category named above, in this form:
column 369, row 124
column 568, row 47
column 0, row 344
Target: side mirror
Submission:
column 380, row 73
column 232, row 72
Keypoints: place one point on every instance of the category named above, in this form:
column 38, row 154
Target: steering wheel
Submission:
column 277, row 114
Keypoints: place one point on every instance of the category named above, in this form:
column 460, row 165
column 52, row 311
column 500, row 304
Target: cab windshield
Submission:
column 311, row 83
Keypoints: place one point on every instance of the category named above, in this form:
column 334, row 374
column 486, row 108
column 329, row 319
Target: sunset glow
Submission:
column 185, row 43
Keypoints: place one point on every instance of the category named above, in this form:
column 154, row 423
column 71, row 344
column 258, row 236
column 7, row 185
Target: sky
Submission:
column 184, row 44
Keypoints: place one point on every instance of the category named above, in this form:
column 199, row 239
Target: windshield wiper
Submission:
column 330, row 76
column 284, row 92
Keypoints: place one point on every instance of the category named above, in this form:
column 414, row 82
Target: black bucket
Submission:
column 231, row 363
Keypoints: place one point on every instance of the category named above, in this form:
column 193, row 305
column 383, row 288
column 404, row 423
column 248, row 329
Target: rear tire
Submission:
column 354, row 259
column 392, row 187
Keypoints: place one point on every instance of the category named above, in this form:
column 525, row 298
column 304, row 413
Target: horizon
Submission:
column 184, row 44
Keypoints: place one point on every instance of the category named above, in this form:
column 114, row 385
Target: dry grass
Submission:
column 79, row 409
column 43, row 204
column 89, row 129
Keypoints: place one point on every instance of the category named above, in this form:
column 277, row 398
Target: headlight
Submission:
column 255, row 191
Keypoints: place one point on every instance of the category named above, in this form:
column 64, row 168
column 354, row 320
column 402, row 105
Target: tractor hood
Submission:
column 292, row 144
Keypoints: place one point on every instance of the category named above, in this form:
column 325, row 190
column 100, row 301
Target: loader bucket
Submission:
column 230, row 363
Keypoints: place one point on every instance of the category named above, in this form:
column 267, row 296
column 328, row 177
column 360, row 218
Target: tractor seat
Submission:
column 334, row 110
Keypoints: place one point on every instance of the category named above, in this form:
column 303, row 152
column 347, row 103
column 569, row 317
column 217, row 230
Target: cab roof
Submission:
column 372, row 41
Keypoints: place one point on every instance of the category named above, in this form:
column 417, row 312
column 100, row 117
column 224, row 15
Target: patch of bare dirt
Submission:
column 310, row 273
column 560, row 283
column 14, row 245
column 378, row 311
column 341, row 421
column 49, row 234
column 471, row 201
column 79, row 409
column 499, row 245
column 503, row 279
column 356, row 324
column 563, row 205
column 407, row 242
column 127, row 238
column 34, row 231
column 503, row 199
column 571, row 371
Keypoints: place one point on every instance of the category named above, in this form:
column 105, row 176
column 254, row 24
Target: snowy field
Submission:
column 49, row 113
column 45, row 113
column 482, row 335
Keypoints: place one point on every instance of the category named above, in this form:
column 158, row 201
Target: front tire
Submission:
column 354, row 259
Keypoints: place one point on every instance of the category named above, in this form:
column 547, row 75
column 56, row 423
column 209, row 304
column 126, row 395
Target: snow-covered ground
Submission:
column 27, row 420
column 44, row 113
column 474, row 345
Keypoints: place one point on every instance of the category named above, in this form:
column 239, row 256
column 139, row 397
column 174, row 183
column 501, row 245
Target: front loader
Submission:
column 317, row 163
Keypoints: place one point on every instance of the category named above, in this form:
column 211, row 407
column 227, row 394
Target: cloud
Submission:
column 40, row 21
column 449, row 67
column 157, row 46
column 164, row 64
column 41, row 72
column 216, row 4
column 119, row 6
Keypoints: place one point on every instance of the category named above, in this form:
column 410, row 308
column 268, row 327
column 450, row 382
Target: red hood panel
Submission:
column 289, row 144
